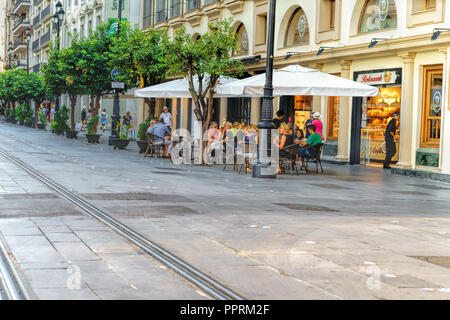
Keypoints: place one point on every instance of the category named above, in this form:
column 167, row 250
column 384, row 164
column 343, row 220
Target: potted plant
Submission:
column 42, row 120
column 20, row 114
column 59, row 125
column 123, row 140
column 142, row 135
column 28, row 117
column 92, row 135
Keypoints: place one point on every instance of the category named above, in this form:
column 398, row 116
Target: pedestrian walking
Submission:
column 167, row 117
column 52, row 114
column 83, row 118
column 127, row 120
column 103, row 119
column 318, row 124
column 390, row 140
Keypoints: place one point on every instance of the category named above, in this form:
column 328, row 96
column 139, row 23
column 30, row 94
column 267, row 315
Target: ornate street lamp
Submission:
column 116, row 109
column 10, row 50
column 262, row 167
column 58, row 19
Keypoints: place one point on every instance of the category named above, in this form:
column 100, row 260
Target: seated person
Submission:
column 282, row 141
column 297, row 134
column 161, row 133
column 314, row 139
column 152, row 123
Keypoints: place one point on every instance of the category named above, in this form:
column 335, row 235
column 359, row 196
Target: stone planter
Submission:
column 121, row 144
column 93, row 138
column 71, row 134
column 41, row 126
column 143, row 145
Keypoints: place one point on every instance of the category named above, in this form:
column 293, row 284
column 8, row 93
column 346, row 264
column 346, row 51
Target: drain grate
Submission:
column 331, row 186
column 429, row 186
column 412, row 193
column 305, row 207
column 443, row 261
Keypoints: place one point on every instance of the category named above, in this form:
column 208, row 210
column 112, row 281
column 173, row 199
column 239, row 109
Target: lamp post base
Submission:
column 260, row 170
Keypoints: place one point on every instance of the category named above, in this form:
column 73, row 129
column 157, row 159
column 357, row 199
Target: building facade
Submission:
column 385, row 43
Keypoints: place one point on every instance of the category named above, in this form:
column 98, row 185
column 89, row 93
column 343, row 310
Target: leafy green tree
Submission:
column 207, row 58
column 141, row 58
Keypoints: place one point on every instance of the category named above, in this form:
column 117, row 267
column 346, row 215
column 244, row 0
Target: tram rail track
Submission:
column 206, row 284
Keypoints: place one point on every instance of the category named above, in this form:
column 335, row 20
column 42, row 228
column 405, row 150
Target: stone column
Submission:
column 444, row 159
column 255, row 110
column 345, row 114
column 223, row 111
column 406, row 153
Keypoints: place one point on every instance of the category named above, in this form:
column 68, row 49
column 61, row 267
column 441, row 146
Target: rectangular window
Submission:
column 160, row 11
column 261, row 27
column 147, row 18
column 332, row 13
column 333, row 118
column 431, row 106
column 423, row 5
column 327, row 15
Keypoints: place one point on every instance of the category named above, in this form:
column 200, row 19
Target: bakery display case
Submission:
column 377, row 112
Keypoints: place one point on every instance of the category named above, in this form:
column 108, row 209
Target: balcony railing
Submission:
column 45, row 38
column 19, row 42
column 21, row 21
column 36, row 20
column 35, row 45
column 46, row 12
column 36, row 67
column 161, row 15
column 37, row 2
column 19, row 2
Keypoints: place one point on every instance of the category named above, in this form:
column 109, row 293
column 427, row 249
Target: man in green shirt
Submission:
column 314, row 139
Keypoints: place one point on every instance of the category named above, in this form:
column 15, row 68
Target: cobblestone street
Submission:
column 354, row 232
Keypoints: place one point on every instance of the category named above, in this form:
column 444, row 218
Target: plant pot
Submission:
column 71, row 134
column 41, row 126
column 121, row 144
column 143, row 145
column 93, row 138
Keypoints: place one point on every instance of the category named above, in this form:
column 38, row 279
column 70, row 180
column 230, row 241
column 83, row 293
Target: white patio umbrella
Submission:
column 296, row 80
column 176, row 88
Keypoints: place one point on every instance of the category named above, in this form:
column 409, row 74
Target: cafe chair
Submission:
column 315, row 160
column 292, row 150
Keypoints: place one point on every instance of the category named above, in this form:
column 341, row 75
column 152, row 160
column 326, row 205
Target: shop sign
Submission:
column 377, row 78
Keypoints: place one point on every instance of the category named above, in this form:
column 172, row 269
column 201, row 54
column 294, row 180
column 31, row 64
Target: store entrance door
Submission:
column 371, row 115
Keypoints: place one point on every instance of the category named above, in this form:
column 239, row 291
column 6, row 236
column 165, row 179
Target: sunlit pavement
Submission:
column 351, row 233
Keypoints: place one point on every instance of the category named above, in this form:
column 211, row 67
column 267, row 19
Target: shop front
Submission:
column 371, row 115
column 296, row 109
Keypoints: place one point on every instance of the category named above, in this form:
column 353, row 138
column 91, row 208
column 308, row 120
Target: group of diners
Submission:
column 307, row 137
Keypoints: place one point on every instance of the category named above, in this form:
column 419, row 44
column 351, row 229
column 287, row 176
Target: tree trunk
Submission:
column 73, row 103
column 97, row 106
column 91, row 104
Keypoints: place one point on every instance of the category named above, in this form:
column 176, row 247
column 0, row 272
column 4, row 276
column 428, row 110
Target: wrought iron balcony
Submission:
column 36, row 2
column 45, row 38
column 35, row 45
column 22, row 6
column 46, row 13
column 36, row 20
column 21, row 22
column 18, row 43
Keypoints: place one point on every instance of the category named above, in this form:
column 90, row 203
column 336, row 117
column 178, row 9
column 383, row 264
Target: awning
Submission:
column 296, row 80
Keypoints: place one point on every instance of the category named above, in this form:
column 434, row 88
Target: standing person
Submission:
column 277, row 121
column 309, row 122
column 389, row 135
column 126, row 121
column 52, row 114
column 167, row 117
column 318, row 124
column 83, row 118
column 103, row 119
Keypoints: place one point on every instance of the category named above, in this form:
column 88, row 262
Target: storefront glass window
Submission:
column 432, row 105
column 298, row 29
column 333, row 117
column 378, row 15
column 302, row 107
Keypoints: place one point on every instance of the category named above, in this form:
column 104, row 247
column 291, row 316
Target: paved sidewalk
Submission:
column 351, row 233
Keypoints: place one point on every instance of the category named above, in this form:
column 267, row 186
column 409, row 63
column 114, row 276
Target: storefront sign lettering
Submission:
column 386, row 77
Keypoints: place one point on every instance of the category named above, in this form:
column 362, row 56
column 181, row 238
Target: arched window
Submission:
column 298, row 29
column 378, row 15
column 243, row 43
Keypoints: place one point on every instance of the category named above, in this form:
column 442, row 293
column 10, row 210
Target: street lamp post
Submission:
column 261, row 168
column 116, row 109
column 28, row 38
column 57, row 19
column 10, row 50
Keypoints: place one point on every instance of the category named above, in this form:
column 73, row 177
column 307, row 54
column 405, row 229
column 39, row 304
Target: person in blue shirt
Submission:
column 161, row 133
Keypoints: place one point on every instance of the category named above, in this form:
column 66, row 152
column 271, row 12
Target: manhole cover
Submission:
column 442, row 261
column 168, row 173
column 171, row 169
column 305, row 207
column 429, row 186
column 413, row 193
column 331, row 186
